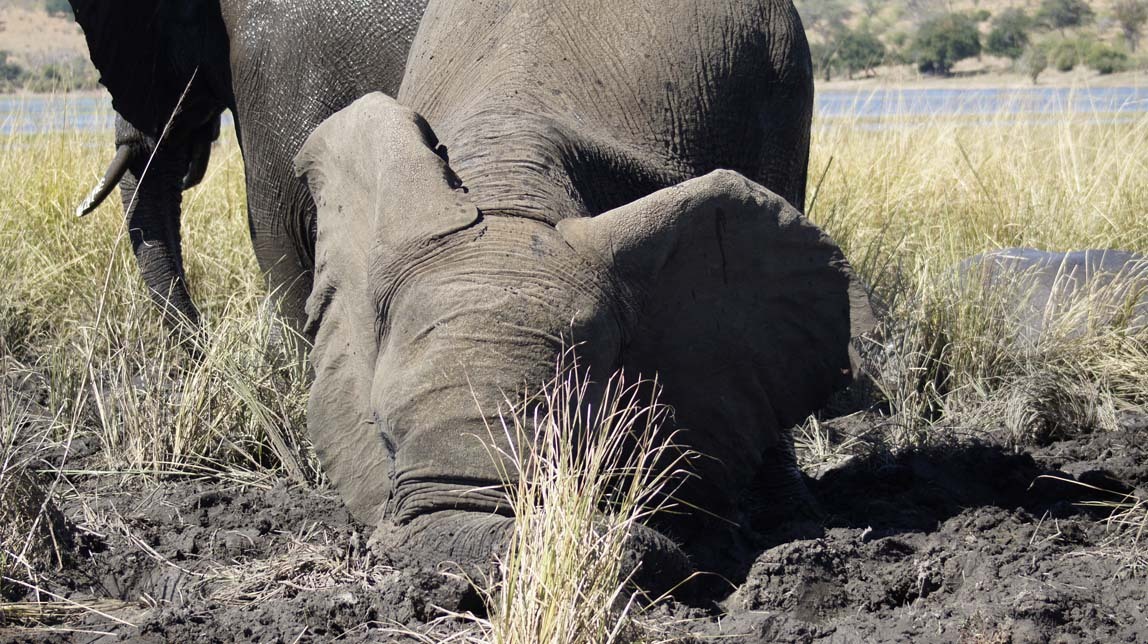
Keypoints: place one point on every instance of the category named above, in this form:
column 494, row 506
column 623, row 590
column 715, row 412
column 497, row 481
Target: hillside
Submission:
column 33, row 38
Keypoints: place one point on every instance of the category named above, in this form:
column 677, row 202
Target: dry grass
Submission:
column 564, row 578
column 910, row 198
column 83, row 355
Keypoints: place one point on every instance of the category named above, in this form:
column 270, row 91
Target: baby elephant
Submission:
column 1064, row 292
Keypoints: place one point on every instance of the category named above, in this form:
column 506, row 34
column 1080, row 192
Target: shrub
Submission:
column 1065, row 55
column 859, row 51
column 1064, row 14
column 943, row 41
column 1106, row 59
column 10, row 72
column 823, row 55
column 1032, row 62
column 1131, row 14
column 58, row 8
column 1009, row 35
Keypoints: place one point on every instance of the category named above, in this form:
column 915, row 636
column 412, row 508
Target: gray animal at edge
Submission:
column 1063, row 292
column 625, row 175
column 281, row 67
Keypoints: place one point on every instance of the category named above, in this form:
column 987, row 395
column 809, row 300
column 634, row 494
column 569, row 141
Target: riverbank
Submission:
column 988, row 74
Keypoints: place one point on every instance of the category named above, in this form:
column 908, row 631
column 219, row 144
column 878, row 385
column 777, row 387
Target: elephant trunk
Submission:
column 152, row 202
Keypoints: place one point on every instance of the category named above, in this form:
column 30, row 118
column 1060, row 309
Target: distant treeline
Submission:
column 851, row 38
column 72, row 75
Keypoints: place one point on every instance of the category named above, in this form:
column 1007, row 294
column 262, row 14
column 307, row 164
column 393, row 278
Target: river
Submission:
column 21, row 114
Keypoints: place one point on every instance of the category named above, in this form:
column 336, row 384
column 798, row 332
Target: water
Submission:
column 91, row 113
column 1037, row 101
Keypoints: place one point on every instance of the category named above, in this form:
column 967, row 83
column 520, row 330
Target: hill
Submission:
column 33, row 38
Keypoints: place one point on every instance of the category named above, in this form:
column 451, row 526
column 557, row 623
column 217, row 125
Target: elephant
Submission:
column 281, row 67
column 623, row 177
column 1063, row 292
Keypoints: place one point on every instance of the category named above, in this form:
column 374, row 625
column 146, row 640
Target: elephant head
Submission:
column 427, row 311
column 165, row 63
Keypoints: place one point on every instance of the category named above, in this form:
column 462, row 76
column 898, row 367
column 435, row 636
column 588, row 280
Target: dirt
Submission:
column 35, row 38
column 964, row 542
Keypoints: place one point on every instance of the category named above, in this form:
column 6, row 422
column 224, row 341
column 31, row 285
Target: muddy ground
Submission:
column 965, row 542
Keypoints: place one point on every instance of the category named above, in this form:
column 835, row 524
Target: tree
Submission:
column 945, row 40
column 1009, row 35
column 58, row 8
column 1131, row 14
column 1032, row 62
column 1106, row 60
column 823, row 16
column 1064, row 14
column 10, row 73
column 859, row 51
column 823, row 55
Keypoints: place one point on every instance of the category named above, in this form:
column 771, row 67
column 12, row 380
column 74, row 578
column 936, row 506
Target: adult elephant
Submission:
column 281, row 66
column 622, row 174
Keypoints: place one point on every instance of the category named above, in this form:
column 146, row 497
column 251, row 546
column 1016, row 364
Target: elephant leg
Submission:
column 780, row 492
column 280, row 234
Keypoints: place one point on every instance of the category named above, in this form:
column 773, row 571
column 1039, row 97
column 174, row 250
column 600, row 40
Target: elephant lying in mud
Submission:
column 281, row 66
column 1067, row 292
column 570, row 192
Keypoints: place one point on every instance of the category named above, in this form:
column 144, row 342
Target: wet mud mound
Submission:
column 959, row 544
column 962, row 543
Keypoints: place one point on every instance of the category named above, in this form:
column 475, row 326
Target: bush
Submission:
column 1009, row 35
column 10, row 73
column 59, row 8
column 859, row 51
column 1131, row 14
column 1065, row 14
column 1065, row 55
column 1107, row 60
column 943, row 41
column 823, row 55
column 1032, row 62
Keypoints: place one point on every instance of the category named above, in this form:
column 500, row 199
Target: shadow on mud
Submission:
column 916, row 491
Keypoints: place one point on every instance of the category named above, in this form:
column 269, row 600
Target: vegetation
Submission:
column 1065, row 14
column 947, row 190
column 1106, row 60
column 83, row 355
column 1033, row 62
column 1132, row 15
column 75, row 74
column 943, row 41
column 859, row 51
column 58, row 8
column 1010, row 34
column 932, row 36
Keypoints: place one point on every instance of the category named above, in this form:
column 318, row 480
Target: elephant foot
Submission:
column 469, row 540
column 780, row 494
column 471, row 543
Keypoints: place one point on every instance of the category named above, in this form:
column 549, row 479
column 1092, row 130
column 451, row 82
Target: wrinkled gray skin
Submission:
column 281, row 66
column 570, row 196
column 1048, row 290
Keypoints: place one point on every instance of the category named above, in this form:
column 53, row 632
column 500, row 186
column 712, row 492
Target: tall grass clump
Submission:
column 79, row 331
column 588, row 466
column 909, row 198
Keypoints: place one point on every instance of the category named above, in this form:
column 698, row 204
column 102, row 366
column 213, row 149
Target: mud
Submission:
column 961, row 543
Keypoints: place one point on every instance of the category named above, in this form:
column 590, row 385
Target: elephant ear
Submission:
column 380, row 190
column 744, row 310
column 147, row 50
